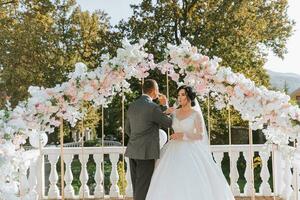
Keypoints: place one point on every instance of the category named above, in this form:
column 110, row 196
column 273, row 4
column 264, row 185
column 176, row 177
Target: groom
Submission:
column 144, row 119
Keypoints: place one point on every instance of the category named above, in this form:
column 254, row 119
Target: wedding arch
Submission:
column 47, row 108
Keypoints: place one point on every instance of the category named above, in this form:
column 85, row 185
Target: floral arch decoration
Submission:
column 39, row 115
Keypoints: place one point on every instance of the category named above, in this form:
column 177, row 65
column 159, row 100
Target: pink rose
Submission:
column 201, row 87
column 174, row 76
column 87, row 96
column 94, row 84
column 230, row 91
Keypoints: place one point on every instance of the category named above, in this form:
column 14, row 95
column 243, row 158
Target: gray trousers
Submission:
column 141, row 174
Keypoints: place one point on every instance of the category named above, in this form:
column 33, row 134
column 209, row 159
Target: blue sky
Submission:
column 120, row 9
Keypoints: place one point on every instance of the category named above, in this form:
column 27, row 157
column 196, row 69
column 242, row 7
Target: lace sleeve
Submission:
column 198, row 129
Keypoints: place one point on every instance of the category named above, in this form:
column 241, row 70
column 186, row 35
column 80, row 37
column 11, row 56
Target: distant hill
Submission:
column 278, row 80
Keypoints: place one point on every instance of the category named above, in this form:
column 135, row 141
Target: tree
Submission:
column 41, row 40
column 241, row 32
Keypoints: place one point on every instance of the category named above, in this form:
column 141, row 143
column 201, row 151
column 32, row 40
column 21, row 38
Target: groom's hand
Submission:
column 163, row 100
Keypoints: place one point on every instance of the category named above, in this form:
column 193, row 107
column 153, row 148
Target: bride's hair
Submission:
column 190, row 93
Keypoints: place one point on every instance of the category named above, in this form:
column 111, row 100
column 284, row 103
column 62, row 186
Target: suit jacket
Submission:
column 144, row 118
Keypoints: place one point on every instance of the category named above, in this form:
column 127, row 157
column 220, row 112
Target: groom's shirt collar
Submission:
column 148, row 96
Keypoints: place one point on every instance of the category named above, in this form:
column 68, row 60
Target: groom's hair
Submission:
column 148, row 86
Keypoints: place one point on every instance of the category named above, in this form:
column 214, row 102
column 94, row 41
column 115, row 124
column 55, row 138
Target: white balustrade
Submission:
column 234, row 174
column 265, row 174
column 285, row 179
column 24, row 183
column 218, row 156
column 32, row 179
column 295, row 183
column 278, row 173
column 84, row 191
column 68, row 190
column 28, row 176
column 288, row 177
column 53, row 178
column 248, row 190
column 114, row 176
column 99, row 178
column 129, row 189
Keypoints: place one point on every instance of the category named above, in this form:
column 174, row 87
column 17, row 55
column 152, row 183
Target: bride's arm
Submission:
column 198, row 131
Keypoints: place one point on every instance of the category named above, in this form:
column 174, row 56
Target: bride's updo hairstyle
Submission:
column 190, row 93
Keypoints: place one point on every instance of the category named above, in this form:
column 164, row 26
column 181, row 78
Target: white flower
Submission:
column 91, row 75
column 88, row 89
column 72, row 115
column 17, row 123
column 125, row 43
column 256, row 125
column 196, row 56
column 38, row 95
column 38, row 139
column 231, row 78
column 80, row 71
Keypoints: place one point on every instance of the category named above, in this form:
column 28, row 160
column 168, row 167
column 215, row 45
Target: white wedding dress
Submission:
column 186, row 170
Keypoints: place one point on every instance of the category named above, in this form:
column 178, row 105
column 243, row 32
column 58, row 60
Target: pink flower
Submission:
column 229, row 91
column 204, row 59
column 18, row 140
column 174, row 76
column 249, row 94
column 54, row 122
column 150, row 56
column 49, row 91
column 194, row 50
column 273, row 116
column 52, row 109
column 94, row 84
column 201, row 87
column 87, row 96
column 40, row 107
column 71, row 91
column 186, row 61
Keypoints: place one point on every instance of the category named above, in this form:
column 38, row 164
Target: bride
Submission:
column 186, row 169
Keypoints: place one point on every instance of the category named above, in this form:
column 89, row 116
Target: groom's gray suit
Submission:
column 143, row 121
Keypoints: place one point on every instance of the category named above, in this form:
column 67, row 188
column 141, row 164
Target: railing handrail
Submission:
column 86, row 150
column 282, row 169
column 120, row 149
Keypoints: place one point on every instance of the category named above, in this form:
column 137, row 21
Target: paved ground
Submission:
column 237, row 198
column 258, row 198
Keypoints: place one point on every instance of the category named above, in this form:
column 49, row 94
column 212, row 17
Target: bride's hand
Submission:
column 177, row 136
column 170, row 110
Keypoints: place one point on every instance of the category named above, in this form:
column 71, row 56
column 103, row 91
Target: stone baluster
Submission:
column 234, row 174
column 84, row 191
column 288, row 178
column 68, row 190
column 129, row 190
column 53, row 178
column 114, row 176
column 249, row 182
column 99, row 178
column 265, row 188
column 33, row 180
column 218, row 156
